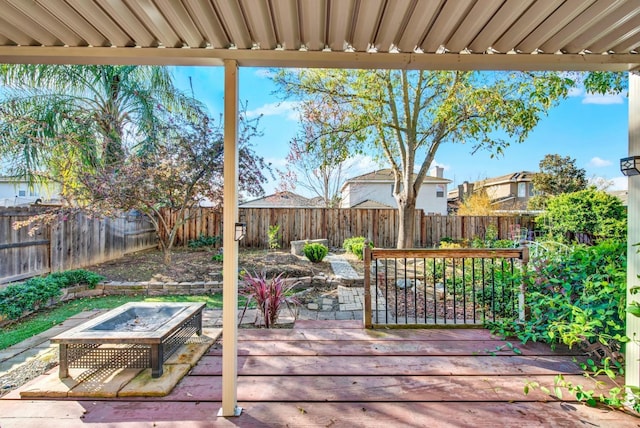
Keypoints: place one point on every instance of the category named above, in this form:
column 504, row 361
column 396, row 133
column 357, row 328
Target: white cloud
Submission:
column 264, row 72
column 603, row 99
column 575, row 92
column 619, row 183
column 284, row 108
column 362, row 164
column 597, row 162
column 276, row 162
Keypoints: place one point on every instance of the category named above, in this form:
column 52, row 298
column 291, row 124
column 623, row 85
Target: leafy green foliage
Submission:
column 586, row 211
column 557, row 175
column 270, row 296
column 273, row 236
column 575, row 298
column 355, row 246
column 37, row 292
column 315, row 252
column 204, row 241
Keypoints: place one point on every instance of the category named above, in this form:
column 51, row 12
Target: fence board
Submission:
column 335, row 224
column 67, row 243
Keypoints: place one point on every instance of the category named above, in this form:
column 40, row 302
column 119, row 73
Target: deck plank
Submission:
column 456, row 334
column 392, row 347
column 282, row 388
column 353, row 414
column 349, row 377
column 391, row 365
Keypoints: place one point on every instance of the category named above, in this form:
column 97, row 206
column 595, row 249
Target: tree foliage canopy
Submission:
column 405, row 116
column 557, row 175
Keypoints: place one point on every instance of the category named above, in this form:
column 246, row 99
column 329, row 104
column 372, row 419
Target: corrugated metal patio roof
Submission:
column 430, row 34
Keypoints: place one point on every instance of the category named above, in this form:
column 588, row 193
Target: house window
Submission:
column 522, row 190
column 439, row 191
column 531, row 191
column 22, row 193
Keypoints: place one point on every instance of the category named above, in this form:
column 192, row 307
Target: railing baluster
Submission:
column 464, row 292
column 484, row 293
column 455, row 301
column 435, row 293
column 473, row 287
column 444, row 288
column 493, row 289
column 424, row 287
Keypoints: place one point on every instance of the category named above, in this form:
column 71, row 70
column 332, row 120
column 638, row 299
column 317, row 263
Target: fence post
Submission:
column 367, row 285
column 521, row 306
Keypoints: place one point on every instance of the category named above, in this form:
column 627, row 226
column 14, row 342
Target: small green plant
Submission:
column 269, row 295
column 37, row 292
column 355, row 246
column 204, row 241
column 274, row 236
column 315, row 252
column 218, row 256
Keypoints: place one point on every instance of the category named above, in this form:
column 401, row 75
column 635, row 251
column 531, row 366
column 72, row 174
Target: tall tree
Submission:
column 317, row 159
column 110, row 109
column 406, row 116
column 184, row 169
column 557, row 175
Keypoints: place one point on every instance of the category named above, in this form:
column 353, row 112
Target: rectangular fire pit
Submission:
column 137, row 335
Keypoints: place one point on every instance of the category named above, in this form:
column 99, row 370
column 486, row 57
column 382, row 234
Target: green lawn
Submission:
column 44, row 320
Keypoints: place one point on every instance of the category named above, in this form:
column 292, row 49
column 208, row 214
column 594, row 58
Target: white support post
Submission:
column 632, row 350
column 230, row 245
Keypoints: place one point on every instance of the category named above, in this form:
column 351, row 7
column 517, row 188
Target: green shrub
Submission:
column 587, row 211
column 355, row 246
column 273, row 234
column 575, row 298
column 315, row 252
column 204, row 241
column 35, row 292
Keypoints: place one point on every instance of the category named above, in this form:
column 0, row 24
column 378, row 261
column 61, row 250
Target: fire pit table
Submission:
column 136, row 335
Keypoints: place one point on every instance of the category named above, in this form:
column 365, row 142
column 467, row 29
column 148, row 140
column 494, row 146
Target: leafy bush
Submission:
column 28, row 296
column 586, row 211
column 576, row 298
column 204, row 241
column 273, row 236
column 315, row 252
column 355, row 246
column 270, row 296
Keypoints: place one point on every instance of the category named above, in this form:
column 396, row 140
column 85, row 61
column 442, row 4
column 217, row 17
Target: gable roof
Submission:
column 369, row 203
column 283, row 200
column 513, row 177
column 386, row 176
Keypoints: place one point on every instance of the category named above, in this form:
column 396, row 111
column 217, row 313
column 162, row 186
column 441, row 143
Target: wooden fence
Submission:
column 67, row 243
column 335, row 224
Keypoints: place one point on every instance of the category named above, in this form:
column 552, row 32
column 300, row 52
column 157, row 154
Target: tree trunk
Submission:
column 406, row 225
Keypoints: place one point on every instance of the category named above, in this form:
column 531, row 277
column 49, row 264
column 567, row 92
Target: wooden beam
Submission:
column 230, row 245
column 632, row 352
column 315, row 59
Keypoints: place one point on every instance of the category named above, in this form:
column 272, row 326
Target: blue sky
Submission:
column 589, row 128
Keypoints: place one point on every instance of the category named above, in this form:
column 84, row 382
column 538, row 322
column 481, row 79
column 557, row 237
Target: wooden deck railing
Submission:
column 462, row 287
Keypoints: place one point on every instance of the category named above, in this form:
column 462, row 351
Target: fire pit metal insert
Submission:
column 136, row 335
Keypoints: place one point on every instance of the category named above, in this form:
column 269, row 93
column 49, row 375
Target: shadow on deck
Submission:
column 334, row 373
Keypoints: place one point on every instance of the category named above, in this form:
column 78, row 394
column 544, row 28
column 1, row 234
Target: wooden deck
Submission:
column 334, row 373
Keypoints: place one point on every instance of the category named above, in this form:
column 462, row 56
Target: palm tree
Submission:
column 63, row 117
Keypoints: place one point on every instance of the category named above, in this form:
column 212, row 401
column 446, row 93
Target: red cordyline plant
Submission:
column 270, row 296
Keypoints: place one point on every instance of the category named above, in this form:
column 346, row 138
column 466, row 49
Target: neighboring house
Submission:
column 284, row 200
column 375, row 190
column 507, row 192
column 16, row 191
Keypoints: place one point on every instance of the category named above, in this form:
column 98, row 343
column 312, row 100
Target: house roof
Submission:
column 283, row 200
column 507, row 178
column 369, row 203
column 414, row 34
column 386, row 176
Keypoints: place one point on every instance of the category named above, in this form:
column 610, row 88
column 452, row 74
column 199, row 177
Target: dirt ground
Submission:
column 197, row 265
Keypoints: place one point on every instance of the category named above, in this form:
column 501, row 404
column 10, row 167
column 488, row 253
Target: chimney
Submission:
column 439, row 172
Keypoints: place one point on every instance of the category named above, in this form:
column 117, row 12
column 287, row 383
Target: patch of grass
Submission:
column 44, row 320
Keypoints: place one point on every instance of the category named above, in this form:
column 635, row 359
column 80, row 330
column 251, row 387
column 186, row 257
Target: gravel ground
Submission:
column 31, row 369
